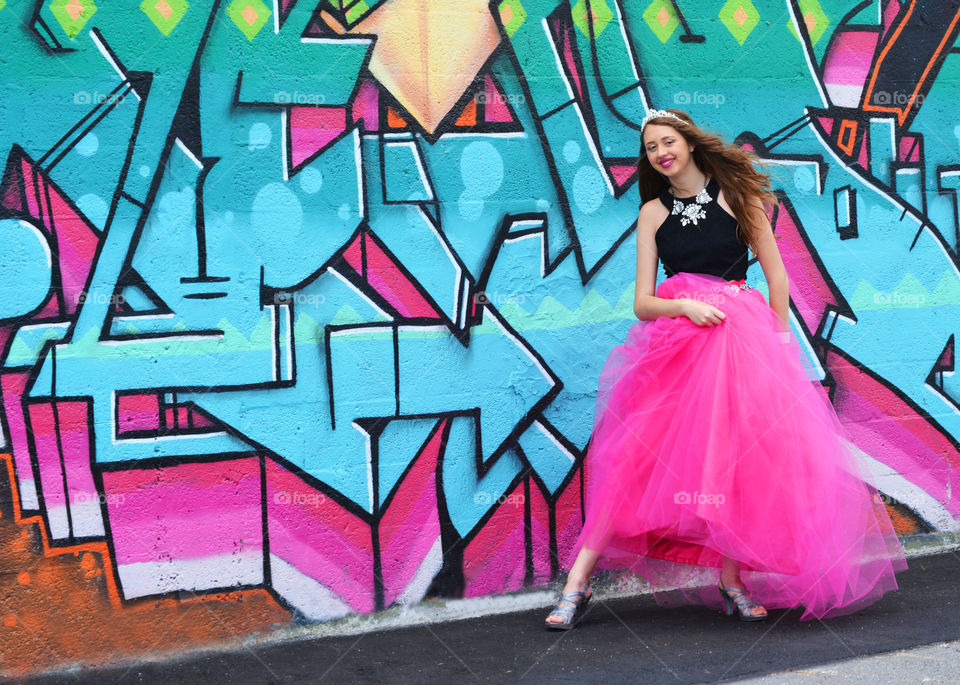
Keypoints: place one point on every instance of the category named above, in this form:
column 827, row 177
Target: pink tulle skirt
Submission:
column 714, row 442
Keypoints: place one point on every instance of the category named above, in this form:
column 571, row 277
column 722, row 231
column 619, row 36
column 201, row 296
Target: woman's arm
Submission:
column 645, row 305
column 768, row 254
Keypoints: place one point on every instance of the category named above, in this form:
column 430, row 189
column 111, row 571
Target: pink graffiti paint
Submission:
column 319, row 538
column 539, row 532
column 188, row 511
column 200, row 420
column 138, row 413
column 568, row 39
column 622, row 174
column 12, row 198
column 809, row 290
column 33, row 207
column 862, row 158
column 847, row 66
column 890, row 13
column 366, row 106
column 569, row 519
column 74, row 239
column 76, row 246
column 495, row 559
column 410, row 525
column 51, row 308
column 910, row 147
column 47, row 456
column 353, row 254
column 495, row 106
column 383, row 287
column 313, row 129
column 392, row 278
column 946, row 359
column 389, row 281
column 82, row 495
column 13, row 385
column 885, row 427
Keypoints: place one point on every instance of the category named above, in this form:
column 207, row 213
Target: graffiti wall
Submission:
column 303, row 305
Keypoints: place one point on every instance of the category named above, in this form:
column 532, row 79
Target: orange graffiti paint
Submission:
column 73, row 611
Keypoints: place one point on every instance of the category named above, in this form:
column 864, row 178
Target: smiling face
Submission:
column 667, row 151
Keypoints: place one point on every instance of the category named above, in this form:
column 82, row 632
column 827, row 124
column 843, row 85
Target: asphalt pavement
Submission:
column 911, row 635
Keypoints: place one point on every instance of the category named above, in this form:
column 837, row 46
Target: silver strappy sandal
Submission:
column 570, row 608
column 736, row 596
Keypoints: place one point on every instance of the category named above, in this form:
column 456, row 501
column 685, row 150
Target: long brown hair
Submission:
column 732, row 166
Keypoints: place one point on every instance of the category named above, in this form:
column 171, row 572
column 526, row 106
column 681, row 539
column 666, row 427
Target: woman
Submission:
column 712, row 447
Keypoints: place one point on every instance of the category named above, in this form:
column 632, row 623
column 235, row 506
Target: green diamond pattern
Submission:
column 512, row 15
column 165, row 14
column 662, row 19
column 601, row 16
column 740, row 17
column 814, row 16
column 72, row 14
column 249, row 16
column 3, row 3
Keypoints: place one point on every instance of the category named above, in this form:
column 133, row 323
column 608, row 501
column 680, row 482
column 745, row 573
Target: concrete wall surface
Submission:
column 303, row 305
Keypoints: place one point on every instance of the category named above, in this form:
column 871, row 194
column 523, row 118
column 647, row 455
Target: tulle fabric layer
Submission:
column 713, row 441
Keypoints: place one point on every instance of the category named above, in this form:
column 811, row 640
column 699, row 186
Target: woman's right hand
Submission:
column 702, row 314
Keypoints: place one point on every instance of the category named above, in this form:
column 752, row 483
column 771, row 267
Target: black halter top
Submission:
column 709, row 246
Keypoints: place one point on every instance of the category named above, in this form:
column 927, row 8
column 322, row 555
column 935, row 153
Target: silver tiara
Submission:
column 655, row 113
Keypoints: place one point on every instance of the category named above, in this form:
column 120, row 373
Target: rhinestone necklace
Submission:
column 693, row 212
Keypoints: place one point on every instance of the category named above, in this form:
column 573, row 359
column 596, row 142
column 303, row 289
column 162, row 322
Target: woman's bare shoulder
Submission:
column 652, row 215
